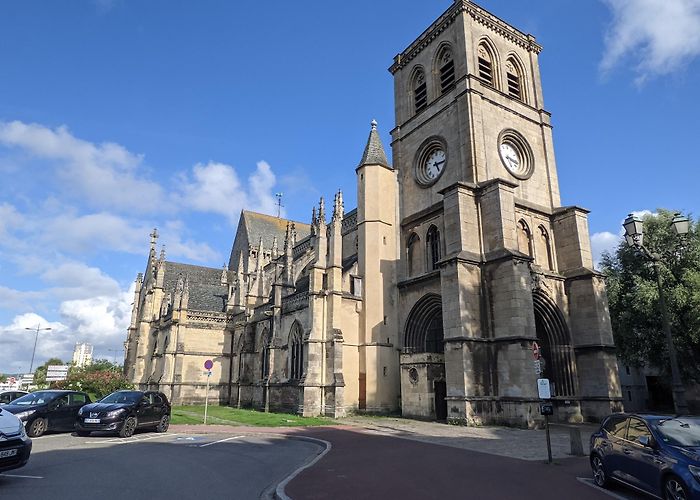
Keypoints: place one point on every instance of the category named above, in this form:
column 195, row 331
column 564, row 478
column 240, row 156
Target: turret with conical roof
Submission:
column 377, row 232
column 374, row 150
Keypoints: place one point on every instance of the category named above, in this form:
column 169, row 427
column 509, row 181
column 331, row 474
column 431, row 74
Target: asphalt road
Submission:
column 155, row 466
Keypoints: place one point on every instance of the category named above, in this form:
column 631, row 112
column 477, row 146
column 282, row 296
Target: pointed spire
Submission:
column 259, row 264
column 322, row 212
column 154, row 239
column 224, row 275
column 288, row 239
column 162, row 253
column 374, row 151
column 338, row 207
column 274, row 248
column 314, row 219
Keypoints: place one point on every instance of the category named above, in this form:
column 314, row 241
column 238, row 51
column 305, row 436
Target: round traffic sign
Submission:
column 208, row 364
column 536, row 351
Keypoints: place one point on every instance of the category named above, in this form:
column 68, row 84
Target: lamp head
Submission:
column 681, row 224
column 634, row 229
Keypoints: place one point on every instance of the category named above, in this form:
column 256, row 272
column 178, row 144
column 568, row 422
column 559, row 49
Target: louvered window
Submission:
column 485, row 62
column 514, row 81
column 447, row 71
column 420, row 91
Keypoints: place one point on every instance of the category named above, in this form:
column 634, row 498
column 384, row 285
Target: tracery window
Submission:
column 412, row 249
column 432, row 244
column 296, row 349
column 545, row 249
column 524, row 238
column 265, row 354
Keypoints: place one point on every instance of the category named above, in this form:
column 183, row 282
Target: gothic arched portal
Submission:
column 555, row 345
column 424, row 326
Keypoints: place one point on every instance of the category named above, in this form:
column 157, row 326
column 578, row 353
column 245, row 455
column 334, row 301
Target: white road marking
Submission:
column 48, row 436
column 219, row 441
column 130, row 440
column 589, row 482
column 25, row 477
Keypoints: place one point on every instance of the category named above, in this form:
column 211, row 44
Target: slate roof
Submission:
column 374, row 151
column 252, row 226
column 206, row 293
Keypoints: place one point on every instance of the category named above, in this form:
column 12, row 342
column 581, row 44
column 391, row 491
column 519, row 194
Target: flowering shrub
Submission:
column 98, row 383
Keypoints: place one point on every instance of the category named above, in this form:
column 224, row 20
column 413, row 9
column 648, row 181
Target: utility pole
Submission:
column 36, row 338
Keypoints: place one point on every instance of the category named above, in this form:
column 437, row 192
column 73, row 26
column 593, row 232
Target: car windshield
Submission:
column 35, row 398
column 122, row 397
column 680, row 431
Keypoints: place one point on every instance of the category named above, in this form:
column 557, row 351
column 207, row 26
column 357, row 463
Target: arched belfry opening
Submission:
column 555, row 346
column 423, row 385
column 424, row 326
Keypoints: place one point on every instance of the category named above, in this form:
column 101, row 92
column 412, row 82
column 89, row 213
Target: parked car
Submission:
column 9, row 396
column 15, row 446
column 656, row 454
column 125, row 411
column 43, row 411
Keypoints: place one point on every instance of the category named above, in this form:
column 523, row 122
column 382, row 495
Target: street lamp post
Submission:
column 36, row 337
column 634, row 234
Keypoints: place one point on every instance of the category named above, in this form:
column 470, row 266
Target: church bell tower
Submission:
column 491, row 263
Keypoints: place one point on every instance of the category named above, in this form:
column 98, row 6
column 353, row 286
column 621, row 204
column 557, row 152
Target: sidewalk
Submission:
column 524, row 444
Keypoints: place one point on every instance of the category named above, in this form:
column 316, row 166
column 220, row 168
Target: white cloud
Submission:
column 100, row 320
column 106, row 175
column 216, row 188
column 659, row 36
column 603, row 242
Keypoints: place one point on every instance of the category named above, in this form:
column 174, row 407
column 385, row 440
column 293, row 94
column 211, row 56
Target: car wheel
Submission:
column 82, row 433
column 37, row 428
column 599, row 475
column 128, row 427
column 674, row 489
column 163, row 424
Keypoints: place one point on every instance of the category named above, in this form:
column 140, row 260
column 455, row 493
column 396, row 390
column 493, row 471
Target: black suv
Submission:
column 43, row 411
column 123, row 412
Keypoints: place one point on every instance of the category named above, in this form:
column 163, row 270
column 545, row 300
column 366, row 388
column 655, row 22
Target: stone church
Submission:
column 428, row 297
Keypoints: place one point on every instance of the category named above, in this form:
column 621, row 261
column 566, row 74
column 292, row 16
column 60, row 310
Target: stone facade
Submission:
column 429, row 296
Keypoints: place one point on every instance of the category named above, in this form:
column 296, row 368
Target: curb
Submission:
column 279, row 490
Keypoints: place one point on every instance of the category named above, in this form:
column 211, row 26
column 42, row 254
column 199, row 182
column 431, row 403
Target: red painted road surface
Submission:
column 363, row 465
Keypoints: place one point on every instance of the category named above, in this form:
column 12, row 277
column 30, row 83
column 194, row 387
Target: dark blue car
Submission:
column 657, row 454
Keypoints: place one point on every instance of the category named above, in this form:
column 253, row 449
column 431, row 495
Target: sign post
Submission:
column 208, row 364
column 546, row 409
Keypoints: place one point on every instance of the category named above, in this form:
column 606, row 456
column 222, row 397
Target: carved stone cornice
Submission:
column 479, row 15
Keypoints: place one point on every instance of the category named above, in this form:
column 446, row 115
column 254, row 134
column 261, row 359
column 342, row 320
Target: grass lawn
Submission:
column 224, row 415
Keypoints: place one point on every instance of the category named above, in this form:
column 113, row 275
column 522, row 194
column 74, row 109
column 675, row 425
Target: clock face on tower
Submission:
column 431, row 161
column 510, row 157
column 516, row 154
column 434, row 164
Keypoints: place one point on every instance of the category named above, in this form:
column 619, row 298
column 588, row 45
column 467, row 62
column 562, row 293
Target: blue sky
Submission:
column 120, row 116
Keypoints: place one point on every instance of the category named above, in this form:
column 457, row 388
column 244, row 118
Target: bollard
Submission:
column 576, row 443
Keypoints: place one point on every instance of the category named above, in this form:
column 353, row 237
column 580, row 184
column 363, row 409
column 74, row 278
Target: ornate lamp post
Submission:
column 634, row 234
column 36, row 337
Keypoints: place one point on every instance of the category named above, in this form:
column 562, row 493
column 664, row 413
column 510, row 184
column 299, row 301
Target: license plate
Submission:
column 92, row 420
column 8, row 453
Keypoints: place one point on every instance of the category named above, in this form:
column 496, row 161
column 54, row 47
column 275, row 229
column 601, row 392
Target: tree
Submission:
column 634, row 296
column 3, row 378
column 40, row 372
column 100, row 365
